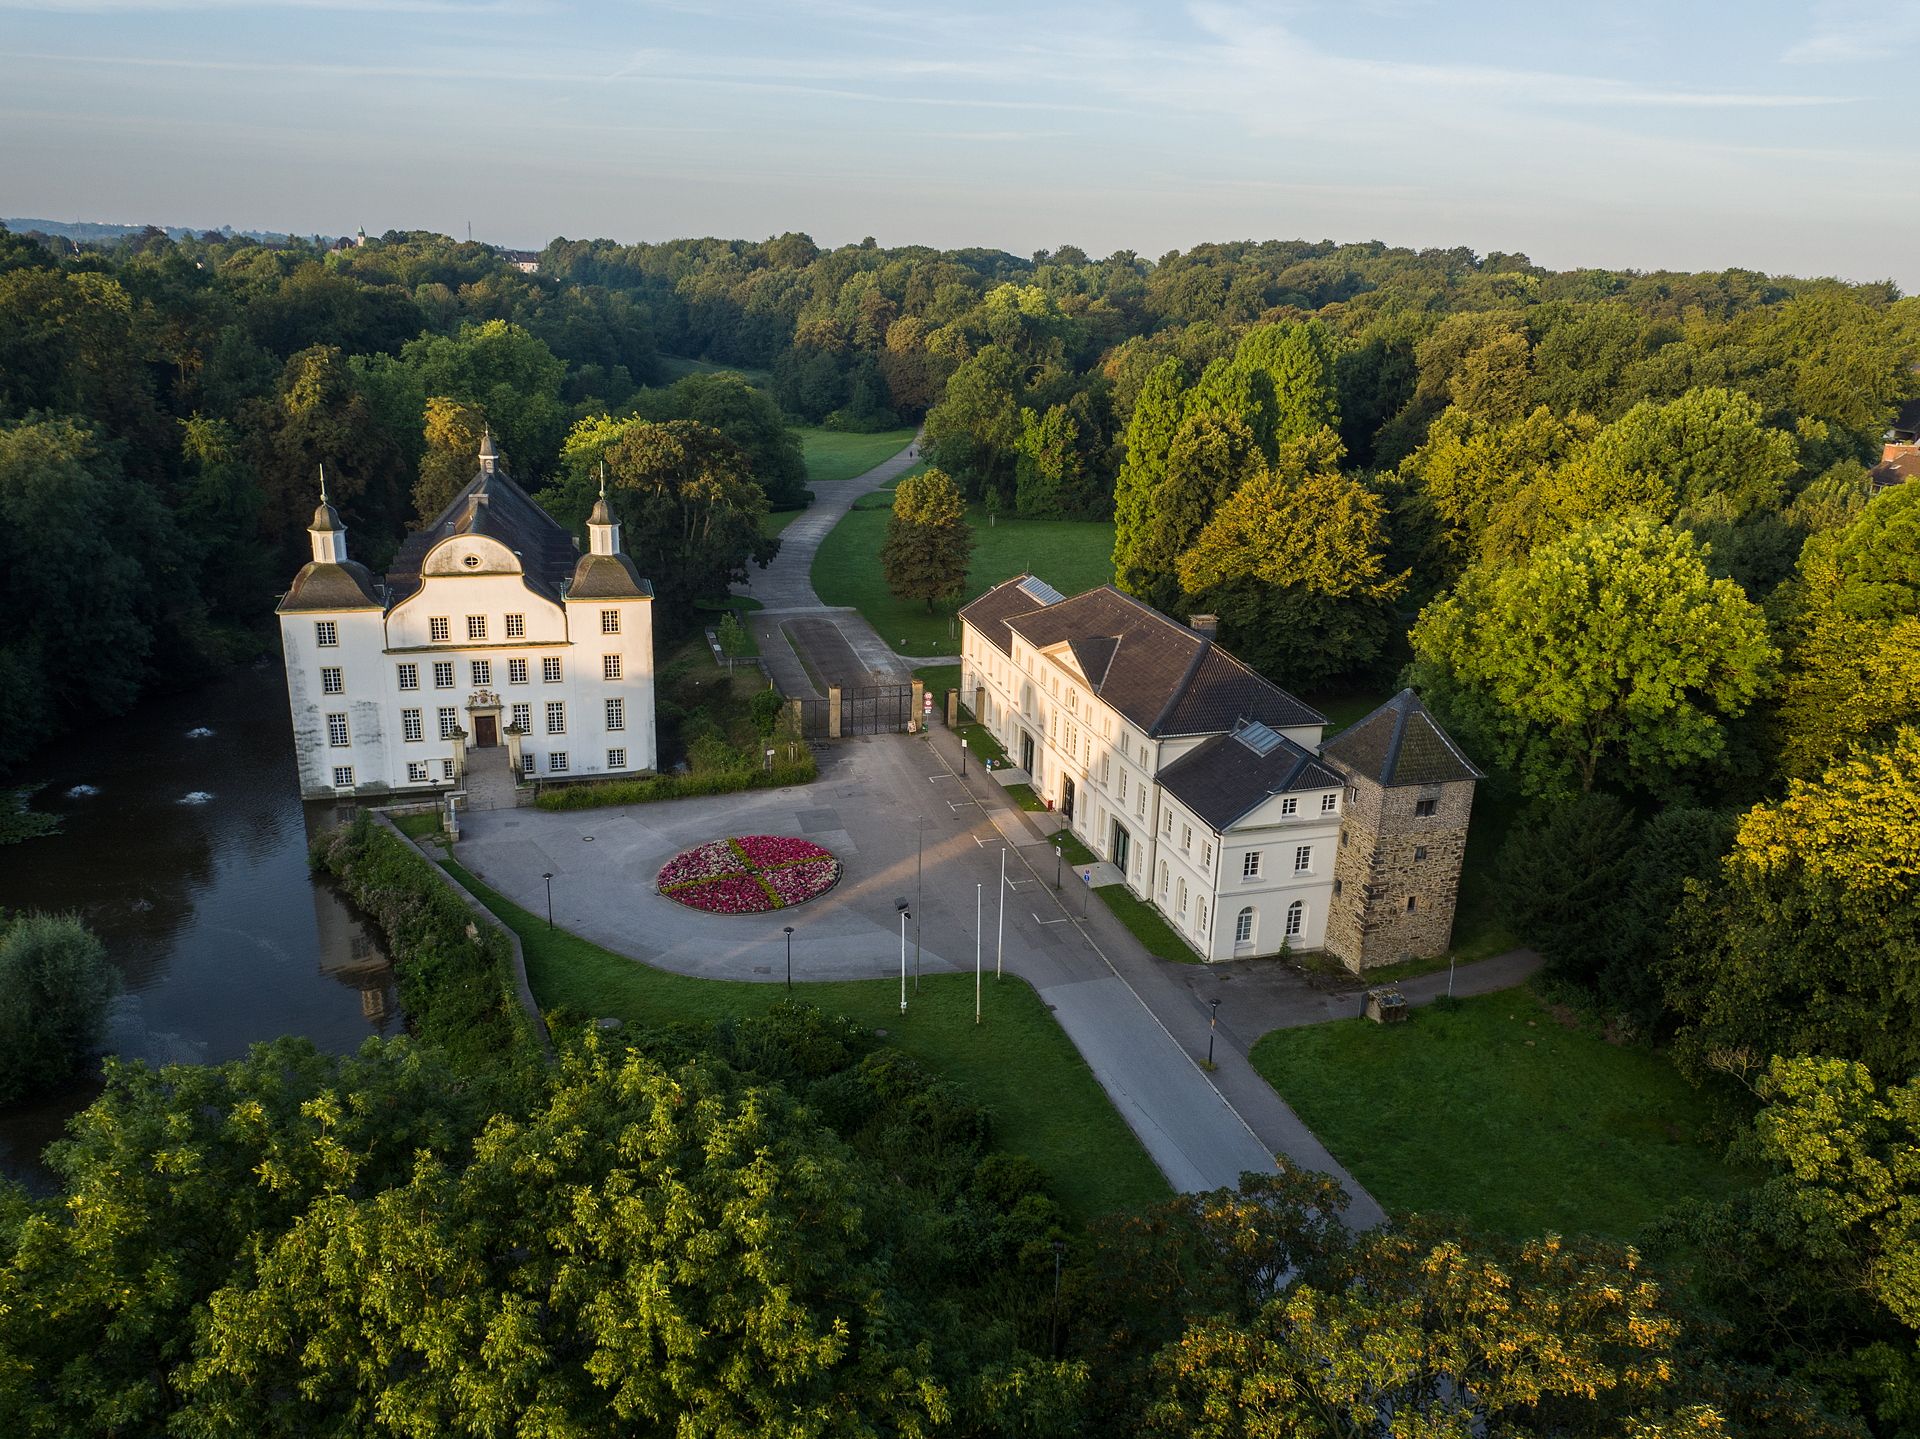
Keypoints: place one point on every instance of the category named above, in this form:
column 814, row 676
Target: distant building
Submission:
column 1210, row 788
column 491, row 642
column 1900, row 454
column 527, row 262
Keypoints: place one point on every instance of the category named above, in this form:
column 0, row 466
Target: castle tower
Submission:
column 329, row 536
column 1396, row 875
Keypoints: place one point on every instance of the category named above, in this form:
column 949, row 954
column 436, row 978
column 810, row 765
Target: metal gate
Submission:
column 814, row 718
column 876, row 709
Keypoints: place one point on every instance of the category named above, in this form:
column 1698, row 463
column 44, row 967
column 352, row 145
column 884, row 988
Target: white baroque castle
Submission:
column 491, row 641
column 1212, row 790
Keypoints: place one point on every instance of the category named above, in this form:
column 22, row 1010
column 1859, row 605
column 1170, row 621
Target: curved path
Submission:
column 837, row 642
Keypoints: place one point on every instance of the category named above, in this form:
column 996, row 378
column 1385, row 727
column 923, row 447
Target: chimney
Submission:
column 1208, row 625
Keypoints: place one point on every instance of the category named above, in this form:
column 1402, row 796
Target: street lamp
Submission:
column 548, row 877
column 1213, row 1019
column 901, row 905
column 788, row 931
column 1056, row 865
column 919, row 848
column 963, row 759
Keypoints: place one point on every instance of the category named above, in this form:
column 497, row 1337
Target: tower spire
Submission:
column 603, row 530
column 323, row 482
column 329, row 535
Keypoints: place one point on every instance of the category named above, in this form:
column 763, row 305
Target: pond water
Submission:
column 183, row 845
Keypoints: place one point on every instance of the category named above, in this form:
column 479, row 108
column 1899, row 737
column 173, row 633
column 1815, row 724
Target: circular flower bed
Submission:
column 748, row 874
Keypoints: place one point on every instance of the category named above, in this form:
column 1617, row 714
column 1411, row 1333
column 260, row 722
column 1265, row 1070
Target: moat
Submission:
column 183, row 845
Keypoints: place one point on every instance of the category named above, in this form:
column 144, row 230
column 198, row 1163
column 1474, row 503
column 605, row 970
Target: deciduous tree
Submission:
column 928, row 545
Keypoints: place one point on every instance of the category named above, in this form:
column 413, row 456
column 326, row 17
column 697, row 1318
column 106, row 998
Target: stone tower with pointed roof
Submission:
column 1403, row 838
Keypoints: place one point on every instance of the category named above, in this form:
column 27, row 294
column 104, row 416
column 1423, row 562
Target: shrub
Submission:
column 55, row 983
column 455, row 973
column 594, row 795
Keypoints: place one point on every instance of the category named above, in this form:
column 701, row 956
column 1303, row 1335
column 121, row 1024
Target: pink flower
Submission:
column 764, row 851
column 748, row 874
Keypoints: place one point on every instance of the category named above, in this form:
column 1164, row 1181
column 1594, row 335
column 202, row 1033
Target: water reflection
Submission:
column 183, row 845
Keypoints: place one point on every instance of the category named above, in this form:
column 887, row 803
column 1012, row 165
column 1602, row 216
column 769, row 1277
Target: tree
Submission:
column 1297, row 360
column 453, row 433
column 506, row 373
column 1468, row 468
column 1808, row 941
column 1608, row 655
column 974, row 432
column 54, row 986
column 1211, row 453
column 724, row 401
column 1049, row 478
column 1155, row 419
column 1293, row 564
column 1562, row 876
column 928, row 545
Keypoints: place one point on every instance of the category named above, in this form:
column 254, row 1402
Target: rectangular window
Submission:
column 1186, row 839
column 337, row 731
column 557, row 761
column 616, row 759
column 1329, row 803
column 1289, row 806
column 609, row 622
column 1303, row 859
column 438, row 630
column 1425, row 807
column 1413, row 903
column 610, row 667
column 516, row 672
column 446, row 769
column 526, row 763
column 1206, row 856
column 410, row 726
column 443, row 674
column 550, row 669
column 449, row 722
column 326, row 634
column 1167, row 825
column 1202, row 924
column 330, row 682
column 1123, row 786
column 409, row 677
column 343, row 776
column 1140, row 802
column 482, row 672
column 616, row 714
column 1419, row 852
column 416, row 771
column 523, row 716
column 516, row 627
column 557, row 717
column 1250, row 864
column 476, row 627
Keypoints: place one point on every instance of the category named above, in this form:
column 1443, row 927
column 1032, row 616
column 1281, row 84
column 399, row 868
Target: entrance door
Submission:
column 1122, row 845
column 486, row 731
column 1066, row 798
column 1026, row 753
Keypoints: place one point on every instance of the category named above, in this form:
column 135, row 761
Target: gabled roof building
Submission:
column 491, row 643
column 1209, row 787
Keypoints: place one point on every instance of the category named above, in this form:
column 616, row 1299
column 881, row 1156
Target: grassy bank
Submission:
column 839, row 455
column 1498, row 1110
column 1045, row 1100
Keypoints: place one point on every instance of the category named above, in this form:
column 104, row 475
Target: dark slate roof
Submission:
column 1222, row 779
column 494, row 506
column 607, row 577
column 1400, row 744
column 1161, row 675
column 322, row 586
column 1907, row 421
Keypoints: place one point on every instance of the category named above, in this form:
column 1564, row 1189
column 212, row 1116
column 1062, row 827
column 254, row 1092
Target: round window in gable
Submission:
column 472, row 562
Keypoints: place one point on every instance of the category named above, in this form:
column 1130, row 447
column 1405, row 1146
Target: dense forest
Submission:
column 1617, row 528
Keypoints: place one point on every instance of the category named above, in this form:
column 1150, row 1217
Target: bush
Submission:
column 55, row 983
column 455, row 973
column 599, row 793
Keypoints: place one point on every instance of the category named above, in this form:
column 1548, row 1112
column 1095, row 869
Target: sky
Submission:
column 1688, row 135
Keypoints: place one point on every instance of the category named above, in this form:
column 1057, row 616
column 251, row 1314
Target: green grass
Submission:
column 1024, row 796
column 677, row 367
column 774, row 521
column 837, row 455
column 939, row 678
column 1495, row 1110
column 1074, row 851
column 1046, row 1102
column 981, row 744
column 1147, row 924
column 1070, row 555
column 417, row 826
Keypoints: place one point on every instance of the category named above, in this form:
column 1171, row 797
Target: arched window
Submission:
column 1243, row 927
column 1296, row 918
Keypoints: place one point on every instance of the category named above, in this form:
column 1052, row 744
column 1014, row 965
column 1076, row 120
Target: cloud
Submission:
column 1850, row 31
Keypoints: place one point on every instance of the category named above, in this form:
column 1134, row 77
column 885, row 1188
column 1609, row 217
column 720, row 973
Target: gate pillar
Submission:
column 913, row 712
column 833, row 711
column 953, row 709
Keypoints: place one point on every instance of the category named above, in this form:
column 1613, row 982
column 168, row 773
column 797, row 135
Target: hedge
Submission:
column 593, row 794
column 455, row 975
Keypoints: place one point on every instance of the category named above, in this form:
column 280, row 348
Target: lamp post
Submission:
column 979, row 895
column 1000, row 942
column 901, row 905
column 963, row 759
column 1056, row 865
column 788, row 931
column 548, row 877
column 919, row 846
column 1213, row 1018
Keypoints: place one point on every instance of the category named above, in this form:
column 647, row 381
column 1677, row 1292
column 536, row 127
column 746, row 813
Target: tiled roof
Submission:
column 989, row 613
column 1902, row 464
column 494, row 506
column 1400, row 744
column 324, row 586
column 1222, row 780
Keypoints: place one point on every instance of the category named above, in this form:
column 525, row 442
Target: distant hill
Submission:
column 93, row 232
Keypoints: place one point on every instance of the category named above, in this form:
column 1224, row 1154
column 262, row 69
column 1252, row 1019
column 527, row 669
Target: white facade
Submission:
column 1264, row 881
column 402, row 694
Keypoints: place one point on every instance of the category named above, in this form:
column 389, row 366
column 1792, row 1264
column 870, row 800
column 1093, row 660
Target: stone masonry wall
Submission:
column 1382, row 865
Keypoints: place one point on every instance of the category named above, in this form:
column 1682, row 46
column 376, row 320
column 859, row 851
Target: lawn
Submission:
column 1070, row 555
column 1496, row 1110
column 838, row 455
column 1147, row 924
column 1046, row 1102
